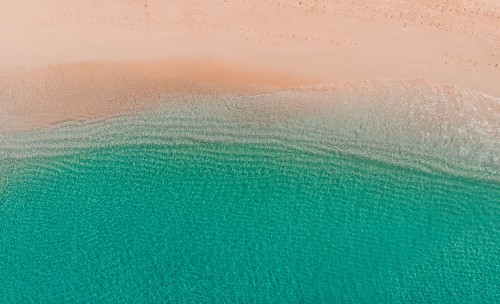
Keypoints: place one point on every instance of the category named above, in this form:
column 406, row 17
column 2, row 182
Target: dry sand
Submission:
column 65, row 60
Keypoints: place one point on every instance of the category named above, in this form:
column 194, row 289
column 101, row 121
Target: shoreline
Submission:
column 415, row 124
column 43, row 97
column 77, row 61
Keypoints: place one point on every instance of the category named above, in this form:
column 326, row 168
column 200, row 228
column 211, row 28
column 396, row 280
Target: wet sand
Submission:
column 76, row 60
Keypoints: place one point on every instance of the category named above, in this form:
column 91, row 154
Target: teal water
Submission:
column 242, row 223
column 307, row 196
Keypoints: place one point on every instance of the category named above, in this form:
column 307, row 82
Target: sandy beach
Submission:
column 249, row 151
column 73, row 60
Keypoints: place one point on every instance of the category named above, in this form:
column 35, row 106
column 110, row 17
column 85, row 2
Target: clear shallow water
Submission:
column 215, row 222
column 385, row 196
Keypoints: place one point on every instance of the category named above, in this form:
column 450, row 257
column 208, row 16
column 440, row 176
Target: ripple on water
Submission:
column 3, row 182
column 242, row 222
column 406, row 123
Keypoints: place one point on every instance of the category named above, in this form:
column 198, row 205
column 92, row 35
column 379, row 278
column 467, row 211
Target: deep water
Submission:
column 242, row 223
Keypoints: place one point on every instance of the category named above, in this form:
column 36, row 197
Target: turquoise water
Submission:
column 309, row 196
column 242, row 223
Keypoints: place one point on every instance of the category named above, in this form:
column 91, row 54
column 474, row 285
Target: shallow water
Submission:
column 183, row 209
column 243, row 223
